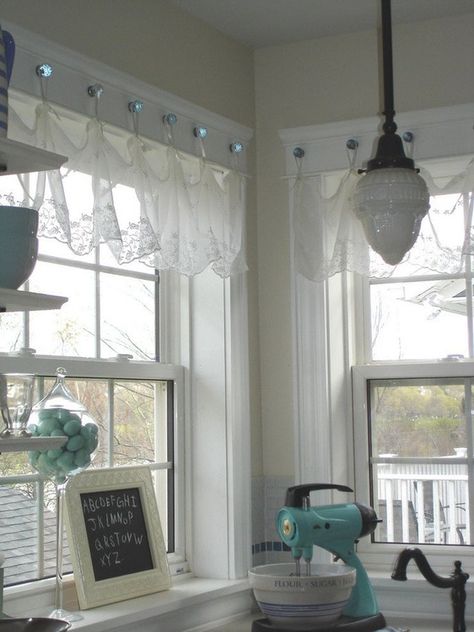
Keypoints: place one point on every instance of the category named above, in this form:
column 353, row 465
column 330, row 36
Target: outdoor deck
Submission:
column 422, row 500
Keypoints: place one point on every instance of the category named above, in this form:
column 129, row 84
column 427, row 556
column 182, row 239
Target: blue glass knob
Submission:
column 96, row 90
column 44, row 70
column 170, row 118
column 135, row 106
column 200, row 132
column 237, row 147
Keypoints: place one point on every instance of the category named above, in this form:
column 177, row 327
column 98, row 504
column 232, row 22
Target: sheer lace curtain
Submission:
column 328, row 238
column 146, row 200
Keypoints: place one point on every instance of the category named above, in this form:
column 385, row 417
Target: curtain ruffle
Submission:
column 145, row 200
column 328, row 238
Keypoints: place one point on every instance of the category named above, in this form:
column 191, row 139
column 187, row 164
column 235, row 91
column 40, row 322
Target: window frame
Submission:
column 380, row 555
column 147, row 274
column 122, row 370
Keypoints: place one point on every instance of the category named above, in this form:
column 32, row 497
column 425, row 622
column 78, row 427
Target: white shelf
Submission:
column 17, row 157
column 21, row 301
column 25, row 444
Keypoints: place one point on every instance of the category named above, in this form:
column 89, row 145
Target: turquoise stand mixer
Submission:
column 335, row 528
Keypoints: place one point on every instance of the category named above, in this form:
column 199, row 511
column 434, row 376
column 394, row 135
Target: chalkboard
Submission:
column 115, row 535
column 116, row 532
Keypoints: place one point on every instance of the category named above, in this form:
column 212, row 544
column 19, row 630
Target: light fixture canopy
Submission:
column 391, row 199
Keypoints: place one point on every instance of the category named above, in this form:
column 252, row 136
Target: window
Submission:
column 107, row 337
column 202, row 345
column 351, row 352
column 413, row 398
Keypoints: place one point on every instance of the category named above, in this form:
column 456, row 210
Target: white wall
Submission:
column 153, row 41
column 319, row 81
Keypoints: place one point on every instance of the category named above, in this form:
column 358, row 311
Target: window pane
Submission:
column 127, row 317
column 419, row 320
column 11, row 326
column 160, row 482
column 108, row 259
column 422, row 498
column 19, row 531
column 68, row 331
column 139, row 409
column 55, row 248
column 28, row 518
column 417, row 418
column 14, row 463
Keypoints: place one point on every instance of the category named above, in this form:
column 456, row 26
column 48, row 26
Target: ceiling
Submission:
column 259, row 23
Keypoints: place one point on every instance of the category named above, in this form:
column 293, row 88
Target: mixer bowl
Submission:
column 304, row 602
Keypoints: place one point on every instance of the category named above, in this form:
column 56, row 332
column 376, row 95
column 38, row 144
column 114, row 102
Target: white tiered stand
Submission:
column 20, row 158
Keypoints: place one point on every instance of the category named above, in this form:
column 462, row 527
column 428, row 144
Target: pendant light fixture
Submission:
column 391, row 199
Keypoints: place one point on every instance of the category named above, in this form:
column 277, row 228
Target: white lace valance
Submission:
column 328, row 238
column 146, row 200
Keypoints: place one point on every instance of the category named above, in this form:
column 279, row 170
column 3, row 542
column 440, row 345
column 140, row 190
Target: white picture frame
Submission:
column 112, row 520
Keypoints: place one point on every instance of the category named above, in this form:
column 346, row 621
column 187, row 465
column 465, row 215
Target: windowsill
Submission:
column 190, row 602
column 215, row 603
column 416, row 601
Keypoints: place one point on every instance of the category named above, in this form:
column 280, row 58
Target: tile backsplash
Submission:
column 268, row 496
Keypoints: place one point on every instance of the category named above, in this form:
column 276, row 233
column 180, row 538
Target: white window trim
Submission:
column 122, row 370
column 380, row 556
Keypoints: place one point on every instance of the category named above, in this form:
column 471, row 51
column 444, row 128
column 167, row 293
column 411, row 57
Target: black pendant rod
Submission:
column 389, row 111
column 390, row 151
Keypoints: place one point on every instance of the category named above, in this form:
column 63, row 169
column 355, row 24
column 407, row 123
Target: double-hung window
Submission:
column 413, row 394
column 107, row 337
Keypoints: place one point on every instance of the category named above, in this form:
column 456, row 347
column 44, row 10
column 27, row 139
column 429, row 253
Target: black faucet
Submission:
column 457, row 582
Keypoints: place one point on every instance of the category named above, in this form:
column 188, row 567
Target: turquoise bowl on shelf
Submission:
column 18, row 245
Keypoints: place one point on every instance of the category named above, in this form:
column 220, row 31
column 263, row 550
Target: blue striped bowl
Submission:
column 302, row 603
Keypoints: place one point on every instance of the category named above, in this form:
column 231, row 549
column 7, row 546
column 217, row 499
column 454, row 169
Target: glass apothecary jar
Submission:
column 59, row 414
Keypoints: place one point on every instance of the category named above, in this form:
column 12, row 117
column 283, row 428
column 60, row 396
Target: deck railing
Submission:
column 425, row 501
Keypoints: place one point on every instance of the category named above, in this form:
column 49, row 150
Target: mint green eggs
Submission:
column 74, row 455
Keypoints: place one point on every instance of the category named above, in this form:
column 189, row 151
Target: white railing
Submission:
column 422, row 502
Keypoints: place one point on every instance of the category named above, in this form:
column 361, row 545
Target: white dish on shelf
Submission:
column 21, row 301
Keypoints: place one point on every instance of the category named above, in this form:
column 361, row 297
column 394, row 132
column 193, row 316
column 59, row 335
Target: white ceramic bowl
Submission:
column 303, row 602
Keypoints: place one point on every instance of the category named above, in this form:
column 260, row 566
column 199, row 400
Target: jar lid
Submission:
column 60, row 396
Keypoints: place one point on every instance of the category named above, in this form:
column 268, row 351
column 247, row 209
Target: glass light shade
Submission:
column 391, row 203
